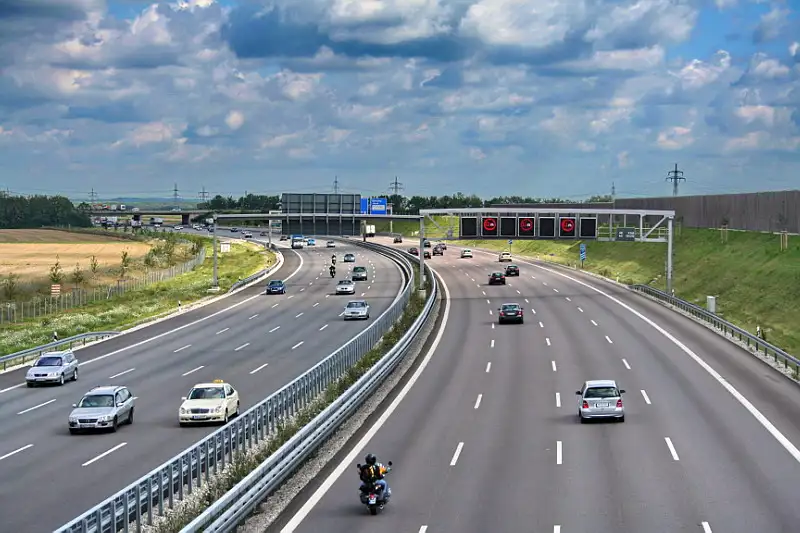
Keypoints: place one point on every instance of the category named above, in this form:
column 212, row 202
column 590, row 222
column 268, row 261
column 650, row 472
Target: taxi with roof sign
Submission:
column 217, row 401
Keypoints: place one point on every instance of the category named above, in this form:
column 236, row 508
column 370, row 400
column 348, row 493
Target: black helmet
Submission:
column 370, row 459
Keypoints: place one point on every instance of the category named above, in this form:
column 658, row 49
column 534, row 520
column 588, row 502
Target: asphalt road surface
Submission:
column 487, row 439
column 49, row 476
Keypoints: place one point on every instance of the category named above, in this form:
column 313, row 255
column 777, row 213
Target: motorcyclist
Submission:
column 333, row 271
column 333, row 259
column 373, row 472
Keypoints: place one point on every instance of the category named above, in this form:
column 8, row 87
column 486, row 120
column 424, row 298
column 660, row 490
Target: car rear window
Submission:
column 510, row 307
column 359, row 269
column 601, row 392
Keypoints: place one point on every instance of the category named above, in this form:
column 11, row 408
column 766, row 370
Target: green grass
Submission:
column 755, row 283
column 135, row 307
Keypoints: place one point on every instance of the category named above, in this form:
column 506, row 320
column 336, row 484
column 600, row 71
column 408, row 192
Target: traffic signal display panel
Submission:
column 567, row 227
column 588, row 228
column 490, row 226
column 469, row 227
column 527, row 227
column 547, row 227
column 508, row 227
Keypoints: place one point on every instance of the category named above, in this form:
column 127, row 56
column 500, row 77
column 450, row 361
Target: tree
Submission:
column 124, row 264
column 56, row 272
column 93, row 265
column 10, row 286
column 37, row 211
column 78, row 276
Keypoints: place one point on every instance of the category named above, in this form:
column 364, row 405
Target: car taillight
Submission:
column 585, row 404
column 619, row 403
column 502, row 314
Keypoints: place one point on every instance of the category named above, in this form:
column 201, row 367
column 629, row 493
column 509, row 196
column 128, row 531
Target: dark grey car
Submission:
column 102, row 408
column 53, row 367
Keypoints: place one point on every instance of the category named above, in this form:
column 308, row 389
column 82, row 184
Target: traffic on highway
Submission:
column 76, row 442
column 600, row 412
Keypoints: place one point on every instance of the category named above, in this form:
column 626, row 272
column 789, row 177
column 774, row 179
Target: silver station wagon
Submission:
column 102, row 408
column 53, row 367
column 600, row 399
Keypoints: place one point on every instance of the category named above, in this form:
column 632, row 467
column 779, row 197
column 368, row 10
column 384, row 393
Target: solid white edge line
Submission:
column 559, row 453
column 457, row 454
column 346, row 463
column 15, row 452
column 646, row 397
column 29, row 409
column 190, row 324
column 478, row 401
column 108, row 452
column 672, row 450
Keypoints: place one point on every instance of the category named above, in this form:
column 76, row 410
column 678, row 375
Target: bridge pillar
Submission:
column 185, row 219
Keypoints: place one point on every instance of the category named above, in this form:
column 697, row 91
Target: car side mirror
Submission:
column 622, row 391
column 183, row 398
column 358, row 466
column 74, row 405
column 577, row 392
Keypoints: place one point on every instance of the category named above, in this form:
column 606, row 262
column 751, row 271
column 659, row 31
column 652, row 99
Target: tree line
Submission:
column 401, row 205
column 25, row 212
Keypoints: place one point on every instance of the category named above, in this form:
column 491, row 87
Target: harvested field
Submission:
column 29, row 254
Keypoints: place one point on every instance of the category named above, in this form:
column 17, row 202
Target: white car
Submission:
column 466, row 253
column 209, row 402
column 177, row 228
column 330, row 244
column 356, row 309
column 504, row 256
column 247, row 235
column 346, row 286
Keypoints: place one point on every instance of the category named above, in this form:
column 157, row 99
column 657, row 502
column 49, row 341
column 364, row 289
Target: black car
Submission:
column 510, row 313
column 413, row 251
column 426, row 244
column 438, row 250
column 512, row 270
column 398, row 239
column 426, row 254
column 276, row 286
column 497, row 278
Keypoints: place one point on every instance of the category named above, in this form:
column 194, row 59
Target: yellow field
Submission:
column 30, row 253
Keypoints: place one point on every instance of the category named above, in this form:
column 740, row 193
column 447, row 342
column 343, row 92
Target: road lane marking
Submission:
column 568, row 299
column 540, row 324
column 292, row 295
column 299, row 315
column 245, row 345
column 297, row 345
column 363, row 293
column 581, row 310
column 454, row 460
column 276, row 328
column 122, row 373
column 518, row 292
column 275, row 305
column 484, row 293
column 490, row 312
column 29, row 409
column 323, row 327
column 706, row 527
column 492, row 325
column 492, row 344
column 555, row 290
column 489, row 302
column 423, row 529
column 259, row 368
column 316, row 304
column 559, row 453
column 593, row 323
column 646, row 397
column 672, row 449
column 553, row 364
column 533, row 310
column 609, row 340
column 544, row 283
column 192, row 371
column 301, row 290
column 12, row 387
column 252, row 317
column 547, row 340
column 625, row 362
column 181, row 348
column 558, row 399
column 478, row 401
column 222, row 331
column 327, row 296
column 15, row 452
column 488, row 366
column 556, row 529
column 526, row 301
column 112, row 450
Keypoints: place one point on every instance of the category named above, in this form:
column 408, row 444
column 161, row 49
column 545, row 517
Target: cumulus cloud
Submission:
column 427, row 89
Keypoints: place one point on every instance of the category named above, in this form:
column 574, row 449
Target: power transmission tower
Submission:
column 92, row 197
column 175, row 195
column 675, row 176
column 203, row 195
column 396, row 187
column 613, row 194
column 336, row 185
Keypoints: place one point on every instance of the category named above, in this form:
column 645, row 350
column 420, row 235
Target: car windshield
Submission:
column 467, row 251
column 359, row 269
column 349, row 256
column 353, row 305
column 49, row 361
column 510, row 307
column 345, row 282
column 275, row 283
column 97, row 400
column 207, row 393
column 601, row 392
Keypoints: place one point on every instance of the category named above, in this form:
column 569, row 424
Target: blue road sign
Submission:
column 377, row 206
column 583, row 252
column 510, row 241
column 364, row 206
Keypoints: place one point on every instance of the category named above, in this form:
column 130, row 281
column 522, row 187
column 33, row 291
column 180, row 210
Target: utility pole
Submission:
column 336, row 185
column 675, row 176
column 395, row 187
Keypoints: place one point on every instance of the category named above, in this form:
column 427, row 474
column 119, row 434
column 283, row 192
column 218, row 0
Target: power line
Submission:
column 675, row 176
column 396, row 187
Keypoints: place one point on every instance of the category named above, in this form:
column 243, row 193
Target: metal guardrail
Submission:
column 137, row 505
column 238, row 503
column 21, row 357
column 260, row 274
column 724, row 327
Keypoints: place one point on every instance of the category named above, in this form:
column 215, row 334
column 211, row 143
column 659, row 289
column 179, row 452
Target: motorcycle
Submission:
column 371, row 494
column 333, row 272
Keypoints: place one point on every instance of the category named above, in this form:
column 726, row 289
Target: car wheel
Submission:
column 61, row 379
column 115, row 424
column 30, row 385
column 225, row 420
column 181, row 424
column 622, row 418
column 521, row 320
column 583, row 420
column 130, row 417
column 237, row 409
column 73, row 431
column 75, row 375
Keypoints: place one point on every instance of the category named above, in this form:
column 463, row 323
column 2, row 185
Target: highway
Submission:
column 487, row 438
column 50, row 476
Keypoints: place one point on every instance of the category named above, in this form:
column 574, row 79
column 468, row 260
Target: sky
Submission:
column 539, row 98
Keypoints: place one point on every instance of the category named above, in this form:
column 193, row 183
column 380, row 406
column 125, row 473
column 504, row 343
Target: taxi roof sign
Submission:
column 218, row 381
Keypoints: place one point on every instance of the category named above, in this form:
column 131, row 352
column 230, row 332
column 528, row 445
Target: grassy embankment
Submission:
column 755, row 283
column 138, row 306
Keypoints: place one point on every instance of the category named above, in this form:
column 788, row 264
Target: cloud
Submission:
column 443, row 93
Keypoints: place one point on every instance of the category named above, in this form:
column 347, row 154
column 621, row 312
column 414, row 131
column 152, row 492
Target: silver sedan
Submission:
column 356, row 309
column 346, row 286
column 600, row 399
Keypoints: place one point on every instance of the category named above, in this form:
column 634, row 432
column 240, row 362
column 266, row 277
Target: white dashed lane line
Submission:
column 274, row 306
column 323, row 327
column 478, row 401
column 252, row 317
column 192, row 371
column 181, row 348
column 559, row 453
column 568, row 299
column 609, row 340
column 122, row 373
column 298, row 315
column 594, row 323
column 454, row 460
column 671, row 447
column 242, row 347
column 540, row 324
column 646, row 397
column 491, row 345
column 558, row 399
column 553, row 364
column 488, row 302
column 581, row 310
column 224, row 330
column 15, row 452
column 276, row 328
column 706, row 527
column 625, row 362
column 297, row 345
column 112, row 450
column 292, row 295
column 518, row 292
column 259, row 368
column 316, row 304
column 29, row 409
column 556, row 290
column 547, row 340
column 488, row 367
column 301, row 290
